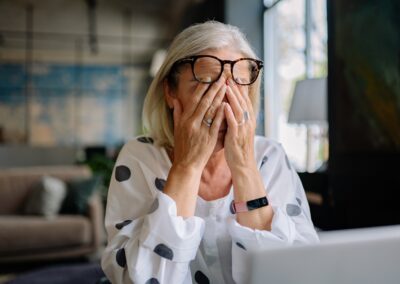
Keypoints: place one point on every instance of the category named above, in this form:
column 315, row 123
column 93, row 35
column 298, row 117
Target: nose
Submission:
column 226, row 73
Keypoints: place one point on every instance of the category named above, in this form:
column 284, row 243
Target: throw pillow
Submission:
column 78, row 194
column 46, row 198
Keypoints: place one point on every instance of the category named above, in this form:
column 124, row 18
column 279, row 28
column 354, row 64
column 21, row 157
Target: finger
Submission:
column 197, row 95
column 249, row 105
column 238, row 93
column 250, row 108
column 212, row 110
column 245, row 104
column 177, row 112
column 230, row 119
column 207, row 99
column 234, row 104
column 218, row 120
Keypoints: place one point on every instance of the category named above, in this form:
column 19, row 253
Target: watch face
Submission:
column 257, row 203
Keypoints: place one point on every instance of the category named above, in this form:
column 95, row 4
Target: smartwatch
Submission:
column 244, row 206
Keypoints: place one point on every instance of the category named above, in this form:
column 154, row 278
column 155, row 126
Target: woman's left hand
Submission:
column 240, row 156
column 240, row 117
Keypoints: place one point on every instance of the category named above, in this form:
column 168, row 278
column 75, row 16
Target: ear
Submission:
column 169, row 96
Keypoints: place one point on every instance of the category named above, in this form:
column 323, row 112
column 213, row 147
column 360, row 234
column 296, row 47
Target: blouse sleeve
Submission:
column 147, row 241
column 291, row 223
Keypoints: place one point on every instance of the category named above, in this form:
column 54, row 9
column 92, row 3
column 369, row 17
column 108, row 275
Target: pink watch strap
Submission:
column 240, row 206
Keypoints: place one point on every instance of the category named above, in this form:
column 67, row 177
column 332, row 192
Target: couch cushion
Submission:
column 47, row 198
column 22, row 234
column 16, row 183
column 78, row 194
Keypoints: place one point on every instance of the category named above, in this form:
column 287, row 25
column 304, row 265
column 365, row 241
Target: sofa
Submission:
column 34, row 237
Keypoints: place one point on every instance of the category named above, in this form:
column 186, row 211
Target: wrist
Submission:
column 183, row 180
column 186, row 171
column 247, row 183
column 247, row 168
column 182, row 186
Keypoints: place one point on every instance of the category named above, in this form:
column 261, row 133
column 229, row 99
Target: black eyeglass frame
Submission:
column 192, row 60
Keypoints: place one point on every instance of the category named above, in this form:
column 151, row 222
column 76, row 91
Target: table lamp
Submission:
column 309, row 107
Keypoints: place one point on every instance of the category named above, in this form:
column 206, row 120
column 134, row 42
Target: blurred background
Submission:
column 73, row 76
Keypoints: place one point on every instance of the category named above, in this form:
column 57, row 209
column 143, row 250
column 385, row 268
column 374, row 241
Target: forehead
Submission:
column 223, row 53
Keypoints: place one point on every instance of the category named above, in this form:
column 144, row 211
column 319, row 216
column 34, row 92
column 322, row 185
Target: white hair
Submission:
column 157, row 116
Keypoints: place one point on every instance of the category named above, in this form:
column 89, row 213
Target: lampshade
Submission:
column 309, row 102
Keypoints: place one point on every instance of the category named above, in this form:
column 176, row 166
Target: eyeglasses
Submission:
column 208, row 69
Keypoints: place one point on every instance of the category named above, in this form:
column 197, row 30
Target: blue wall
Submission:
column 68, row 104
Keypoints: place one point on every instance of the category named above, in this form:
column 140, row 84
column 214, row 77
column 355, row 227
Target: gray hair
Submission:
column 157, row 116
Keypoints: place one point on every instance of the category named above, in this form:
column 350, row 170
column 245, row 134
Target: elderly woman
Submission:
column 190, row 202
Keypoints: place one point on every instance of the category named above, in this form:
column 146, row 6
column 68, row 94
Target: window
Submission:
column 290, row 57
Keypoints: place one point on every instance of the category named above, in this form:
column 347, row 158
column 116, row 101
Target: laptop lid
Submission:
column 365, row 256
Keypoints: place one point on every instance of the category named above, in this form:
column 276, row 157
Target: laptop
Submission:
column 365, row 256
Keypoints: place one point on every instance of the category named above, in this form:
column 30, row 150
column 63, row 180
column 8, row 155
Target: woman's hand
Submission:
column 239, row 154
column 194, row 144
column 194, row 139
column 240, row 117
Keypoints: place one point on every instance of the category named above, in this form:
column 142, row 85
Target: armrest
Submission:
column 96, row 215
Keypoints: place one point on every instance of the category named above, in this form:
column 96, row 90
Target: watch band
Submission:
column 244, row 206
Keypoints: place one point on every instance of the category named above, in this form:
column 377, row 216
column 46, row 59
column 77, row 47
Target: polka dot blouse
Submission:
column 149, row 243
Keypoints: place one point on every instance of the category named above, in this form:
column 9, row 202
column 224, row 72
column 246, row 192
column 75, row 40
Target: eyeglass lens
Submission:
column 208, row 69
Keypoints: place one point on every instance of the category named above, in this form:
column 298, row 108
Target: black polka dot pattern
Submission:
column 164, row 251
column 264, row 160
column 288, row 163
column 293, row 210
column 122, row 173
column 201, row 278
column 120, row 225
column 147, row 140
column 152, row 281
column 154, row 206
column 240, row 245
column 121, row 258
column 159, row 183
column 298, row 200
column 231, row 208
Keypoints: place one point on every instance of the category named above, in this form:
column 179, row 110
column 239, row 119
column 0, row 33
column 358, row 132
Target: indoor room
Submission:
column 199, row 141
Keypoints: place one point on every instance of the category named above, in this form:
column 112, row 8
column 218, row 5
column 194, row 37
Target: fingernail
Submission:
column 207, row 80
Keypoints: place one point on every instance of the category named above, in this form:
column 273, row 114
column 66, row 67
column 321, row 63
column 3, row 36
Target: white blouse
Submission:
column 149, row 243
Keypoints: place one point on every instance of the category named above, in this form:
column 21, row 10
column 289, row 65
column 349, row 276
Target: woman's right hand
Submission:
column 194, row 139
